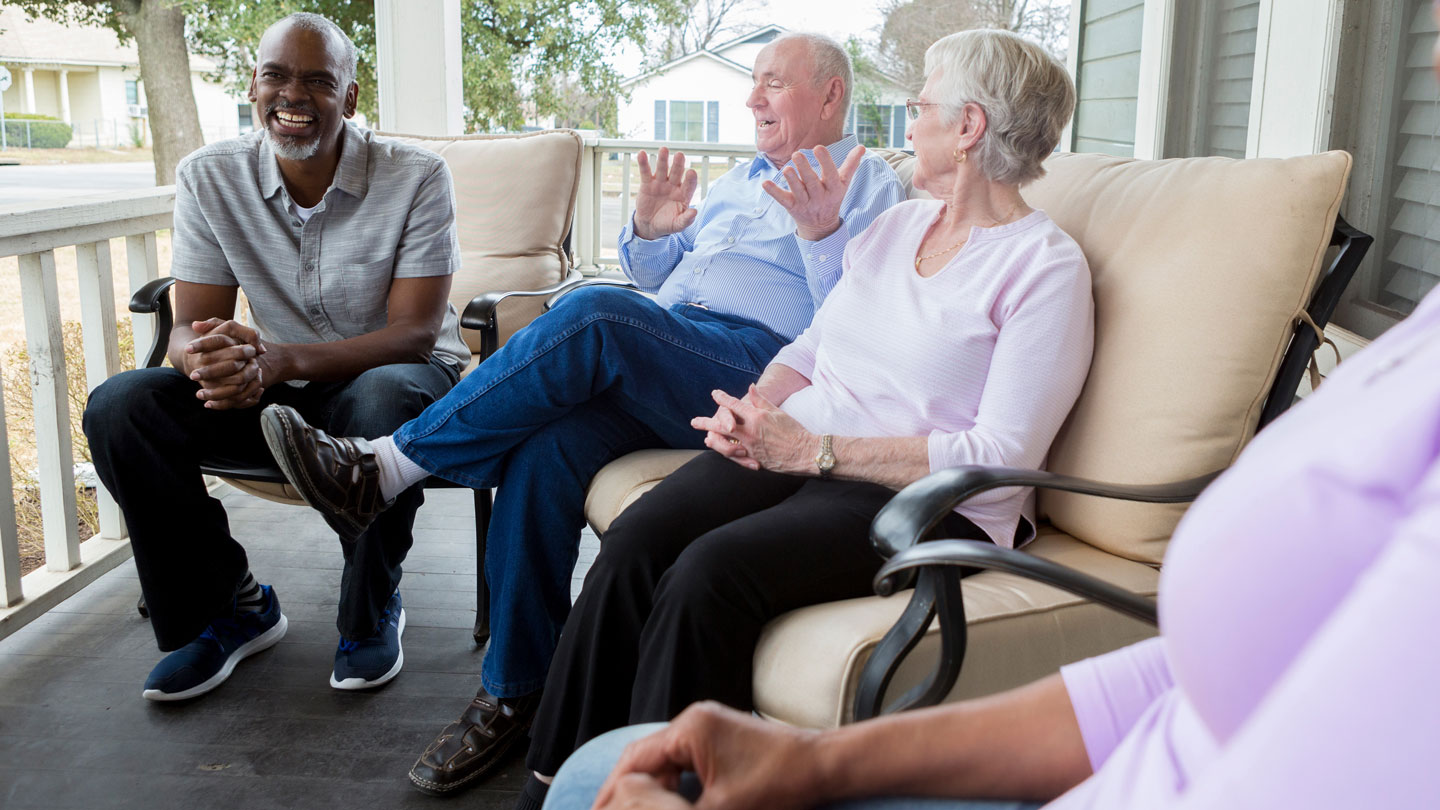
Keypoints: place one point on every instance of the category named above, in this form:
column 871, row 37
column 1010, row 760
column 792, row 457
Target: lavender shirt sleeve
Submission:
column 1110, row 692
column 1360, row 698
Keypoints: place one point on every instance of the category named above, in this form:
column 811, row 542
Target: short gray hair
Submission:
column 828, row 59
column 320, row 24
column 1027, row 95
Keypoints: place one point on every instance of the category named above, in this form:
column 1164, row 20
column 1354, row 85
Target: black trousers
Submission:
column 686, row 578
column 148, row 435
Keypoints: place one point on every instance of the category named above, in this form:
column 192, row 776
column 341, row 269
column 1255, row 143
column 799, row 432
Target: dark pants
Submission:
column 148, row 435
column 686, row 579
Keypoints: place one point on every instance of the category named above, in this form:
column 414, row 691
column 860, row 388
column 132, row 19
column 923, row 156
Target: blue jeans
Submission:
column 582, row 775
column 604, row 373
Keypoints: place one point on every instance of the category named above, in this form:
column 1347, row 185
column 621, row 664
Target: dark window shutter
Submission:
column 712, row 121
column 897, row 126
column 659, row 120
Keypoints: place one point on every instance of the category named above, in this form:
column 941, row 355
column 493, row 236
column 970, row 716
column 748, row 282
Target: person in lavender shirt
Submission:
column 960, row 332
column 1295, row 666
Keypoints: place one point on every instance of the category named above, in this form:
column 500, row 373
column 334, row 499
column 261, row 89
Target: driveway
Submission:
column 42, row 184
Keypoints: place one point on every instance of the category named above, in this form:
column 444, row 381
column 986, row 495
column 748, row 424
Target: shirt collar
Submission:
column 351, row 175
column 839, row 150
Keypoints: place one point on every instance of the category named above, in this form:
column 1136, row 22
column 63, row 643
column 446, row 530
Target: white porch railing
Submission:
column 609, row 182
column 607, row 190
column 33, row 235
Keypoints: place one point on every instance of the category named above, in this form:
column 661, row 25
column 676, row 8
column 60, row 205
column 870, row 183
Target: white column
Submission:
column 1152, row 102
column 29, row 90
column 65, row 95
column 417, row 47
column 1297, row 56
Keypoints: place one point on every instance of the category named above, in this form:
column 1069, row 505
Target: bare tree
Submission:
column 705, row 23
column 912, row 26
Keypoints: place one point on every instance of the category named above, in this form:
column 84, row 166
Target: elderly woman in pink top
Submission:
column 960, row 333
column 1296, row 667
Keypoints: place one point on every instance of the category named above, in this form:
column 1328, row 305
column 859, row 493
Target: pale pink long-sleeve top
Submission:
column 1297, row 664
column 985, row 358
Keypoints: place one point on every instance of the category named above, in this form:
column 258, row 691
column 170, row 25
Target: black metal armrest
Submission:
column 918, row 508
column 480, row 313
column 970, row 554
column 154, row 297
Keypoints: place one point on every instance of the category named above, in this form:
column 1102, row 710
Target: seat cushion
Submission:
column 279, row 493
column 1200, row 267
column 808, row 661
column 622, row 481
column 514, row 202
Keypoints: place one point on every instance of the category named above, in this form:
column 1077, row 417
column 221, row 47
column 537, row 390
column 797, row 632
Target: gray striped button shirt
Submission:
column 390, row 213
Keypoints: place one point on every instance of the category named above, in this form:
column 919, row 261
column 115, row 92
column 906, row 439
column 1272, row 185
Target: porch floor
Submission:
column 75, row 733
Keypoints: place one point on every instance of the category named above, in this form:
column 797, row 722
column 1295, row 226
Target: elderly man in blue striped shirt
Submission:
column 607, row 372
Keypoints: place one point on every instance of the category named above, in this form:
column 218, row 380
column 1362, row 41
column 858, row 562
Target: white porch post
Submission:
column 417, row 45
column 29, row 90
column 65, row 95
column 1296, row 60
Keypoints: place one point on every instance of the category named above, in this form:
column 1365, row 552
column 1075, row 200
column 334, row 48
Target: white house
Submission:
column 701, row 97
column 85, row 77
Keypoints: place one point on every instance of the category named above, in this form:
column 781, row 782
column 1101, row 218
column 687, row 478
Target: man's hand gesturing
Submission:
column 663, row 204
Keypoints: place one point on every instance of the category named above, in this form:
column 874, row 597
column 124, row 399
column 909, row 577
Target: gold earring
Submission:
column 961, row 155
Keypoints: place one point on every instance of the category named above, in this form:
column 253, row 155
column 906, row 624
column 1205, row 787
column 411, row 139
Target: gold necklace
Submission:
column 993, row 222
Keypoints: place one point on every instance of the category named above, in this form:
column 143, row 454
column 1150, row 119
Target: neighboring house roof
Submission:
column 689, row 57
column 43, row 41
column 753, row 35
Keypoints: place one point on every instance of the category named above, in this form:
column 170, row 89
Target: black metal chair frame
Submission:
column 900, row 530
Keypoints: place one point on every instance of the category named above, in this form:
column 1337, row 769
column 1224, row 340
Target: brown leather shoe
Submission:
column 477, row 742
column 338, row 477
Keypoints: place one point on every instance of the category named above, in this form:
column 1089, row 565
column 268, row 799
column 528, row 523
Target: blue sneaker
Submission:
column 374, row 661
column 206, row 662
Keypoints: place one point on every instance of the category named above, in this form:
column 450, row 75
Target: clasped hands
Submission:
column 754, row 433
column 225, row 360
column 662, row 206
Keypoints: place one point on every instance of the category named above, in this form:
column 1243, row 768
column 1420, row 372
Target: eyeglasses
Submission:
column 912, row 107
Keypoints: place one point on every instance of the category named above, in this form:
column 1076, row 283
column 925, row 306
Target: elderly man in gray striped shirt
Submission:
column 344, row 244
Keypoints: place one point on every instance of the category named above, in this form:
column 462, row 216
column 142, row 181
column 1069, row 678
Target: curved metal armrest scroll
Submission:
column 918, row 508
column 154, row 298
column 971, row 554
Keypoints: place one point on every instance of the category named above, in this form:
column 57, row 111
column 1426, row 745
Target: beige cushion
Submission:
column 1199, row 268
column 808, row 661
column 622, row 481
column 279, row 493
column 514, row 201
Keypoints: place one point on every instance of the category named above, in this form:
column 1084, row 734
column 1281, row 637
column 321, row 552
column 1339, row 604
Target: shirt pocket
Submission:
column 359, row 292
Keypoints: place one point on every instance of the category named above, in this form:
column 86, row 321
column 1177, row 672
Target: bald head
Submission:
column 339, row 46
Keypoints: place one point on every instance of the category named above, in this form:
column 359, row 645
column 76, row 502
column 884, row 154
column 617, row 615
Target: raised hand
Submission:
column 663, row 204
column 814, row 200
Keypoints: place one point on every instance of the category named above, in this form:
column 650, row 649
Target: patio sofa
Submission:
column 1206, row 273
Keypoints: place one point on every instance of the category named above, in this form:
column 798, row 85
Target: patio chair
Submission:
column 514, row 203
column 1212, row 279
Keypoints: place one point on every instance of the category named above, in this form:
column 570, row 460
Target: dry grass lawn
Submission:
column 51, row 157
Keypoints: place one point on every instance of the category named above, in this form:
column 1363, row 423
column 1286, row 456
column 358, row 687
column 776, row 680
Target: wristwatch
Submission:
column 825, row 461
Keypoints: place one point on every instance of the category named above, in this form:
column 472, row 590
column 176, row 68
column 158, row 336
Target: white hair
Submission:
column 828, row 60
column 1026, row 94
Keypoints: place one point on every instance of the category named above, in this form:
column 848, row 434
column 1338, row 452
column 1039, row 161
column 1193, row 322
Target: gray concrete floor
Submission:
column 75, row 733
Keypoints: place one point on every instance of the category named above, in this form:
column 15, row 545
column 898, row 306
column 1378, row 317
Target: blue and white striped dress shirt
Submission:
column 741, row 256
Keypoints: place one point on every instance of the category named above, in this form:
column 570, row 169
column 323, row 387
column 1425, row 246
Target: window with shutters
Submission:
column 1212, row 79
column 1107, row 80
column 687, row 121
column 1388, row 115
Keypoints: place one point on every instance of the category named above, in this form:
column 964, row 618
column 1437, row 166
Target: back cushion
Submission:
column 514, row 201
column 1200, row 266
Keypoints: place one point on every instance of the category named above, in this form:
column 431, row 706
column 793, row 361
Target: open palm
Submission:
column 663, row 204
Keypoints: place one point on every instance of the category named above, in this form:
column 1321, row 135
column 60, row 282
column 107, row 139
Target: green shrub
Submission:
column 46, row 131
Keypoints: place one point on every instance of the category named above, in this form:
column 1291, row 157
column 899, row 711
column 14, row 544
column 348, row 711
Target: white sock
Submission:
column 397, row 471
